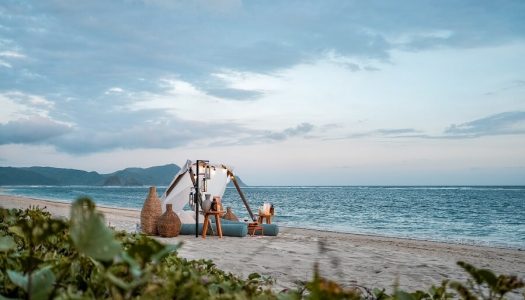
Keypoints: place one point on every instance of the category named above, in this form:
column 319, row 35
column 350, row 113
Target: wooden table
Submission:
column 207, row 222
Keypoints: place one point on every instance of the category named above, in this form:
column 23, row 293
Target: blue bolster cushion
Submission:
column 238, row 230
column 269, row 229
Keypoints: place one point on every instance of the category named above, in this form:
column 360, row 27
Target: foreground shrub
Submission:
column 44, row 258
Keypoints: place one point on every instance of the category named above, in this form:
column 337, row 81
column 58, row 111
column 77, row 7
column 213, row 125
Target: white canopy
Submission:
column 182, row 185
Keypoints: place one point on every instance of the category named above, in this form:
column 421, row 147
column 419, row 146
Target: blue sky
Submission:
column 288, row 92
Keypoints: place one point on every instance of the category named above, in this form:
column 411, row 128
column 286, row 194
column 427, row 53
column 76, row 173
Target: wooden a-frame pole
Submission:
column 236, row 184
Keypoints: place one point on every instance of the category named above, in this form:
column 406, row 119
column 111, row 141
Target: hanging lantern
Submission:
column 207, row 173
column 191, row 200
column 204, row 185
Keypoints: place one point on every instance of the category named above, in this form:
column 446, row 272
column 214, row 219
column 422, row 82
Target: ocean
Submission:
column 478, row 215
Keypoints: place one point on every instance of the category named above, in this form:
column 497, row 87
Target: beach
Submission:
column 350, row 259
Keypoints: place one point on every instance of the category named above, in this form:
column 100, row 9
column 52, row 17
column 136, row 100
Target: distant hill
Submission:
column 239, row 181
column 159, row 176
column 14, row 176
column 67, row 176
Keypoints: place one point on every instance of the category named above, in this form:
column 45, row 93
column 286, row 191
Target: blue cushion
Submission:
column 269, row 229
column 238, row 230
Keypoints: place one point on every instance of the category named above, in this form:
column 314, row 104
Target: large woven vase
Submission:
column 169, row 223
column 150, row 212
column 230, row 215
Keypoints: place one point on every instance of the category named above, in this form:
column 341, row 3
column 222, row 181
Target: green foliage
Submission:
column 89, row 233
column 50, row 258
column 41, row 282
column 484, row 284
column 46, row 258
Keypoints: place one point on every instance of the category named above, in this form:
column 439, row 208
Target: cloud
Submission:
column 5, row 64
column 391, row 133
column 114, row 90
column 115, row 127
column 16, row 104
column 256, row 136
column 505, row 123
column 235, row 94
column 515, row 84
column 396, row 131
column 103, row 83
column 31, row 130
column 144, row 136
column 29, row 100
column 106, row 47
column 11, row 54
column 299, row 130
column 172, row 134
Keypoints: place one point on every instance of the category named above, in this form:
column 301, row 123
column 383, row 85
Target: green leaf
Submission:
column 117, row 281
column 42, row 283
column 254, row 276
column 401, row 295
column 18, row 279
column 89, row 233
column 472, row 271
column 463, row 291
column 7, row 243
column 134, row 267
column 488, row 277
column 165, row 251
column 18, row 231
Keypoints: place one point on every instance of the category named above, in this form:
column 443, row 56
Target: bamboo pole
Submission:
column 241, row 194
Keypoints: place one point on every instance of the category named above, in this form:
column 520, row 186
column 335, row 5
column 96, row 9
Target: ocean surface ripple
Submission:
column 480, row 215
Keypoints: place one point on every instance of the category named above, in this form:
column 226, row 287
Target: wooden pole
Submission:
column 197, row 196
column 241, row 194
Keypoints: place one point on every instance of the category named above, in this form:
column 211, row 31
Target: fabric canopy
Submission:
column 177, row 193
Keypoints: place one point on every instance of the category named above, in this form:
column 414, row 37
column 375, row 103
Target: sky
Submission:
column 286, row 92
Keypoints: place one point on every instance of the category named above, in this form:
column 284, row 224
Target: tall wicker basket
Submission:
column 230, row 215
column 150, row 212
column 169, row 223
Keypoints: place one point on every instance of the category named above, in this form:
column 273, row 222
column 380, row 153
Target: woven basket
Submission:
column 151, row 211
column 169, row 223
column 230, row 215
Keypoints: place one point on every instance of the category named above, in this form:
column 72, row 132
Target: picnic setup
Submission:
column 192, row 205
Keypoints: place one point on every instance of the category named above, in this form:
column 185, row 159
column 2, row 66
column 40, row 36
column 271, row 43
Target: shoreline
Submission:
column 348, row 258
column 321, row 230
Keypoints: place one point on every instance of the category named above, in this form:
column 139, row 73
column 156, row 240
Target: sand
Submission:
column 350, row 259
